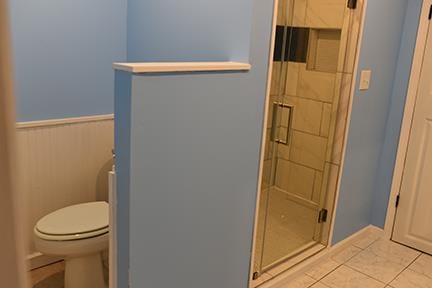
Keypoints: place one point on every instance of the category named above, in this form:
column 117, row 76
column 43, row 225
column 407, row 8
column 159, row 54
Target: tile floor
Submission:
column 371, row 262
column 52, row 276
column 289, row 227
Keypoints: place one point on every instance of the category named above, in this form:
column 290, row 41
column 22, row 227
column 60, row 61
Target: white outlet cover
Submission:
column 365, row 80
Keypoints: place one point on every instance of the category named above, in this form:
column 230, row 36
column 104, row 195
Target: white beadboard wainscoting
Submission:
column 61, row 163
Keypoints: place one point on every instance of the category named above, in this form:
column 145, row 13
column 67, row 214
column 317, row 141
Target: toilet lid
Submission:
column 76, row 219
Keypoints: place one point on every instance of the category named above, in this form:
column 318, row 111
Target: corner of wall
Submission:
column 387, row 160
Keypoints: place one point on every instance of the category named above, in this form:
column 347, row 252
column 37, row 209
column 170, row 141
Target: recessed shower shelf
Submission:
column 166, row 67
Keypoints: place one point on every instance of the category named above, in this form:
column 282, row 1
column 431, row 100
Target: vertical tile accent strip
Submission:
column 297, row 42
column 280, row 31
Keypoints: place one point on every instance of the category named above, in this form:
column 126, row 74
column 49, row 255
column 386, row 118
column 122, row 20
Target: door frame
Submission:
column 12, row 260
column 410, row 102
column 264, row 136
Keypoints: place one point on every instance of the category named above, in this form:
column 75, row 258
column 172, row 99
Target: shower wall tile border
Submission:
column 326, row 120
column 355, row 22
column 339, row 120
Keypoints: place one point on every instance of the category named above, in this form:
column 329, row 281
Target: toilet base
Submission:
column 84, row 272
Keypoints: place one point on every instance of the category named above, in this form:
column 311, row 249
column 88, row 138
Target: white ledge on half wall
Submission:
column 166, row 67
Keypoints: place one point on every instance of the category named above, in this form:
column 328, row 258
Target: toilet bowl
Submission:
column 79, row 233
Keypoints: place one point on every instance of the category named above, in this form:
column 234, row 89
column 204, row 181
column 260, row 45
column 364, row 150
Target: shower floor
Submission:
column 290, row 227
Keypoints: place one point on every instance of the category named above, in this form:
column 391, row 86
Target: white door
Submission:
column 413, row 224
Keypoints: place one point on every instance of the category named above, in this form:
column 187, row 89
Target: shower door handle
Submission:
column 276, row 108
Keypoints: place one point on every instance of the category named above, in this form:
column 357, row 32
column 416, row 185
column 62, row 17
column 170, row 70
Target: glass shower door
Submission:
column 304, row 96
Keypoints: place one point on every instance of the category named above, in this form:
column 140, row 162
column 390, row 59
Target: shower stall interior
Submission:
column 312, row 71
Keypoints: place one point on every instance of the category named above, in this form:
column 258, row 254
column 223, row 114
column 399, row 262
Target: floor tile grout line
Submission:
column 322, row 283
column 365, row 247
column 418, row 256
column 361, row 250
column 328, row 273
column 337, row 267
column 373, row 242
column 405, row 268
column 312, row 283
column 424, row 274
column 317, row 281
column 381, row 280
column 361, row 272
column 343, row 264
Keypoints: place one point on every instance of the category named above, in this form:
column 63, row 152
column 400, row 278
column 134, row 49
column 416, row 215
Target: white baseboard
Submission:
column 285, row 278
column 37, row 260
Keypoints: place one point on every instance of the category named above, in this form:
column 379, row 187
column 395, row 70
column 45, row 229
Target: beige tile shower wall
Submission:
column 306, row 166
column 63, row 165
column 282, row 12
column 297, row 17
column 316, row 85
column 338, row 122
column 296, row 179
column 307, row 114
column 308, row 150
column 312, row 13
column 325, row 13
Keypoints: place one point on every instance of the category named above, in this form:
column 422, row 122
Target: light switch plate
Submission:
column 365, row 80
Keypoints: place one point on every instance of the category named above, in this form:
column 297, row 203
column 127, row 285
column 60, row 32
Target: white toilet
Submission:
column 79, row 233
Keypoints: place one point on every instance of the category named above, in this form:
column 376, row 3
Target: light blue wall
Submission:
column 194, row 145
column 123, row 108
column 63, row 51
column 189, row 30
column 376, row 115
column 395, row 115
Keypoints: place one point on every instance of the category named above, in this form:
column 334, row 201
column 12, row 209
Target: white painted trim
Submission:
column 263, row 140
column 408, row 116
column 113, row 257
column 12, row 204
column 37, row 260
column 166, row 67
column 349, row 116
column 65, row 121
column 283, row 279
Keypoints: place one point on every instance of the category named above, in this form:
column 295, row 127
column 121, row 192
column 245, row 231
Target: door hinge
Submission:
column 255, row 276
column 352, row 4
column 430, row 13
column 397, row 201
column 322, row 216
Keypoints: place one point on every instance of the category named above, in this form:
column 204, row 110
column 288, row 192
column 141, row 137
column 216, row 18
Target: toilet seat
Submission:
column 75, row 222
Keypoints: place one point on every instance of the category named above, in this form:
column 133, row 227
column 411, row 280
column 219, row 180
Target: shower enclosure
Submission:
column 315, row 48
